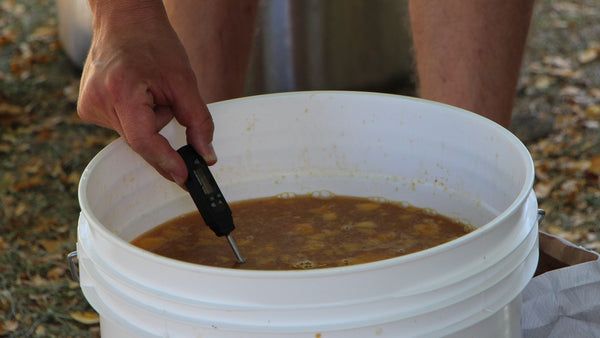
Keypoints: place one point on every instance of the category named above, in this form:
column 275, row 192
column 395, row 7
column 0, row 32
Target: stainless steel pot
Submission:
column 335, row 44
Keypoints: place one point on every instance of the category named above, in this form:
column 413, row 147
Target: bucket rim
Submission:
column 521, row 198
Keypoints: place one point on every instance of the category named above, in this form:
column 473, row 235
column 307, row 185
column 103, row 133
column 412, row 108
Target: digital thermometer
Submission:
column 208, row 197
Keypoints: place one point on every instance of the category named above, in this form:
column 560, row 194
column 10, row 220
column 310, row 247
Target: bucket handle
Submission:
column 73, row 263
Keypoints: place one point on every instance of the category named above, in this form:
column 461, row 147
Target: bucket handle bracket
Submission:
column 540, row 216
column 73, row 263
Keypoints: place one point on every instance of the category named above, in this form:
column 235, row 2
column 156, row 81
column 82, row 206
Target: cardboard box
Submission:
column 557, row 253
column 563, row 299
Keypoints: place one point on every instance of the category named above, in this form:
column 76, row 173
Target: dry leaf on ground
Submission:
column 8, row 326
column 85, row 317
column 56, row 272
column 588, row 55
column 51, row 245
column 7, row 109
column 595, row 165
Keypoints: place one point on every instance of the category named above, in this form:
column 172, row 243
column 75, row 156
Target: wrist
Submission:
column 115, row 14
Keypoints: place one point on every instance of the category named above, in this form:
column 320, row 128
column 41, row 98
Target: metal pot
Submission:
column 335, row 44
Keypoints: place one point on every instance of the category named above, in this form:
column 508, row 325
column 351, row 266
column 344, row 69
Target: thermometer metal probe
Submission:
column 208, row 198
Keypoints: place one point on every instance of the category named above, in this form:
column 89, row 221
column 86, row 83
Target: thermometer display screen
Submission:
column 207, row 188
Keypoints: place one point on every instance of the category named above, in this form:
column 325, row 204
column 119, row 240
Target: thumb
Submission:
column 190, row 111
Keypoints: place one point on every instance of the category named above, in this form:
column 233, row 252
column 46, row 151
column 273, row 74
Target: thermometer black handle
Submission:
column 206, row 193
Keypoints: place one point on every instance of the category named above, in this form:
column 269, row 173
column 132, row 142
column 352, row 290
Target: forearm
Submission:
column 469, row 52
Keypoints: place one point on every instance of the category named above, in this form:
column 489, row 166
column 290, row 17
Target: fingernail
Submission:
column 210, row 156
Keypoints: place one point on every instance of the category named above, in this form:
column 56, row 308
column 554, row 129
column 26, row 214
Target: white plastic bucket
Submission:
column 427, row 154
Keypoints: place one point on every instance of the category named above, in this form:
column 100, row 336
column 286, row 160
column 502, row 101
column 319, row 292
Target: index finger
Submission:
column 139, row 130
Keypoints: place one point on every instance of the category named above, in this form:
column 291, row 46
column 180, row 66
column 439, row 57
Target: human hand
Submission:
column 137, row 77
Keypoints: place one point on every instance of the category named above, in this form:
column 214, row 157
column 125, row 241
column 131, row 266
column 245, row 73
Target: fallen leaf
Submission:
column 543, row 82
column 10, row 138
column 559, row 24
column 95, row 140
column 574, row 167
column 593, row 246
column 595, row 165
column 3, row 244
column 7, row 36
column 23, row 147
column 10, row 6
column 50, row 122
column 45, row 135
column 20, row 209
column 40, row 299
column 33, row 166
column 57, row 170
column 56, row 272
column 543, row 189
column 567, row 8
column 593, row 111
column 565, row 73
column 38, row 280
column 51, row 245
column 61, row 229
column 574, row 237
column 71, row 92
column 591, row 124
column 30, row 183
column 571, row 91
column 7, row 109
column 542, row 170
column 43, row 33
column 95, row 332
column 51, row 258
column 40, row 330
column 85, row 317
column 42, row 225
column 8, row 326
column 590, row 237
column 73, row 178
column 569, row 186
column 557, row 62
column 595, row 92
column 588, row 55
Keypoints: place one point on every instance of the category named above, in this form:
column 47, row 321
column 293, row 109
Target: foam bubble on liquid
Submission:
column 304, row 264
column 378, row 199
column 323, row 194
column 286, row 195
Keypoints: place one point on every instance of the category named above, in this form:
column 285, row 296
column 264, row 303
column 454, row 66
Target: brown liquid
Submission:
column 305, row 232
